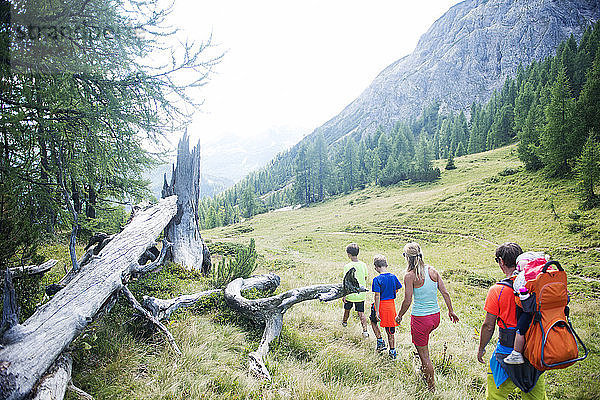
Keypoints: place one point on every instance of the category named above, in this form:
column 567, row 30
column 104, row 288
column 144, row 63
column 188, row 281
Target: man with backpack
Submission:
column 501, row 309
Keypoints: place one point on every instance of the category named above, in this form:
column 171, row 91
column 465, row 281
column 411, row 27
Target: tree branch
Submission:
column 270, row 310
column 17, row 272
column 162, row 309
column 138, row 307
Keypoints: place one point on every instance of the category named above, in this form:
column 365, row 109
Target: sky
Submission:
column 293, row 65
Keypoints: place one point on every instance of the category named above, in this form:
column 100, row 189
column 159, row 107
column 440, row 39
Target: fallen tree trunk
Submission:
column 270, row 310
column 31, row 348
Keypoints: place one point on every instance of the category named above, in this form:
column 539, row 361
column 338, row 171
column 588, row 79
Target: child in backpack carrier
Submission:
column 529, row 266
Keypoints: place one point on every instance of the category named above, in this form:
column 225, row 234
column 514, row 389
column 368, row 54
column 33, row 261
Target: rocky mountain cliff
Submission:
column 464, row 57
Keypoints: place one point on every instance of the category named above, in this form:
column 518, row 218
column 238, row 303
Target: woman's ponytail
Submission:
column 414, row 256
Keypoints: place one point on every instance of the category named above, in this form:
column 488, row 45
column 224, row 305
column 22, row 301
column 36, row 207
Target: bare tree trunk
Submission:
column 31, row 348
column 183, row 231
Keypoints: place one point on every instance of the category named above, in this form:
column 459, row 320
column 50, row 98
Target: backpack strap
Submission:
column 508, row 282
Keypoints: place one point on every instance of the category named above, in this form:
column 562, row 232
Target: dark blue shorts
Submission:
column 358, row 305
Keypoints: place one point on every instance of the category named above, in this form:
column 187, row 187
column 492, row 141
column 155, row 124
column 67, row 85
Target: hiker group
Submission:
column 529, row 306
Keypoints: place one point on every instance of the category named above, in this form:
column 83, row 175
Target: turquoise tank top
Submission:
column 425, row 297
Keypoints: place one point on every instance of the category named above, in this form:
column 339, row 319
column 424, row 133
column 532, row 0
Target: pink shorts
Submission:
column 421, row 327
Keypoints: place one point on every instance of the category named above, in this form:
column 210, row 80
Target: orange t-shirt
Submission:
column 500, row 301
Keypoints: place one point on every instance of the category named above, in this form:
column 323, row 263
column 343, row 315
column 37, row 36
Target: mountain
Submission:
column 463, row 58
column 234, row 156
column 209, row 185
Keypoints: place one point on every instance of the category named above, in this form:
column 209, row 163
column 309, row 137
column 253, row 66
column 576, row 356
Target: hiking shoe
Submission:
column 393, row 354
column 365, row 334
column 514, row 358
column 344, row 324
column 380, row 345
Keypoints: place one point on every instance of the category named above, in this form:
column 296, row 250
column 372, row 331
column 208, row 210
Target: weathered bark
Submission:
column 95, row 245
column 270, row 310
column 57, row 381
column 155, row 257
column 10, row 309
column 54, row 384
column 80, row 393
column 31, row 348
column 162, row 309
column 183, row 231
column 33, row 269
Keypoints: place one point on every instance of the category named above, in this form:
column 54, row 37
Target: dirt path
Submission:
column 585, row 278
column 408, row 229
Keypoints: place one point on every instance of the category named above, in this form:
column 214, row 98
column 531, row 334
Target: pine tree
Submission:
column 588, row 104
column 588, row 171
column 376, row 170
column 302, row 174
column 76, row 124
column 450, row 164
column 248, row 202
column 529, row 139
column 350, row 165
column 557, row 137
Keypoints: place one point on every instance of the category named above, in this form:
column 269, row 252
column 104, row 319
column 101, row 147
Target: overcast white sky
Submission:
column 296, row 64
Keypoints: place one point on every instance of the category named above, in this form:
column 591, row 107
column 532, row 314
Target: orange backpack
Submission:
column 550, row 341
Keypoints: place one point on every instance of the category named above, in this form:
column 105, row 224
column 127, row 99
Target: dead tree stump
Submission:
column 183, row 231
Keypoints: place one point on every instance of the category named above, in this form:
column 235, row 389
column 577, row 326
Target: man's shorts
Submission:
column 359, row 306
column 421, row 327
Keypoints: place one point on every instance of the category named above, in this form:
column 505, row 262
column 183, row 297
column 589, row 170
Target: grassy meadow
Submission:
column 458, row 221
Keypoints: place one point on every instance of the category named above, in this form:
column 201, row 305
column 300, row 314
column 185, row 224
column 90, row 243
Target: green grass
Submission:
column 459, row 220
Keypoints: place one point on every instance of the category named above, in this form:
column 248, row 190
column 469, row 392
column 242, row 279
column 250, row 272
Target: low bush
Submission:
column 468, row 278
column 242, row 266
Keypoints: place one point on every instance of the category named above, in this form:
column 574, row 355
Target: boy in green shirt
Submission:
column 356, row 299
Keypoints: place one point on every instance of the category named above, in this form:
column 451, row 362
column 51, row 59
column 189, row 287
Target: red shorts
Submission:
column 387, row 313
column 421, row 327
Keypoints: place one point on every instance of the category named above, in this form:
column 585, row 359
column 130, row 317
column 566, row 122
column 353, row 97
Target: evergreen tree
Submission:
column 321, row 167
column 77, row 119
column 450, row 164
column 529, row 145
column 302, row 182
column 557, row 137
column 376, row 170
column 588, row 171
column 588, row 105
column 350, row 165
column 249, row 203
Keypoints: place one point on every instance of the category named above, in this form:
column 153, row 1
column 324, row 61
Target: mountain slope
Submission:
column 464, row 57
column 458, row 220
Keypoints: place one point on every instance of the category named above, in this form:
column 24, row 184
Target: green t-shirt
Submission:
column 361, row 276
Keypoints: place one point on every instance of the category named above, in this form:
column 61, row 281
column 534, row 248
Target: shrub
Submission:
column 225, row 248
column 428, row 175
column 508, row 171
column 450, row 164
column 468, row 278
column 242, row 266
